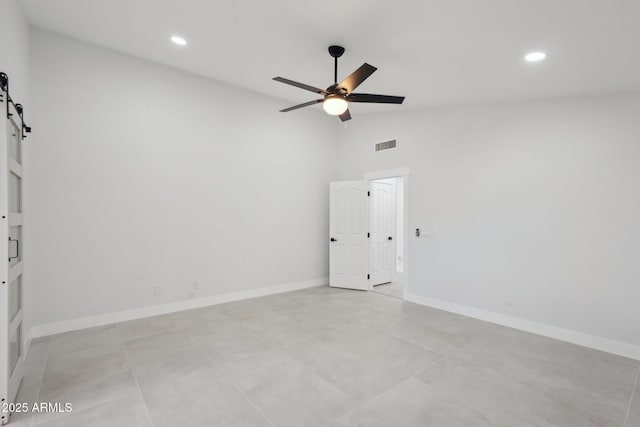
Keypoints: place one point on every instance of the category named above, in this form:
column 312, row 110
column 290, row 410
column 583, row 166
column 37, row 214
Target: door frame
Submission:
column 402, row 172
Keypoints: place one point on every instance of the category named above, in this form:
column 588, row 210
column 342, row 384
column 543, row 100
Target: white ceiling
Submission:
column 435, row 52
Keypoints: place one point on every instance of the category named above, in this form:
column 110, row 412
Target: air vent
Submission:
column 386, row 145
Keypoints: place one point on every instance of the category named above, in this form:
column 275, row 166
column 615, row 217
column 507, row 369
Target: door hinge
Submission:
column 368, row 276
column 368, row 193
column 368, row 235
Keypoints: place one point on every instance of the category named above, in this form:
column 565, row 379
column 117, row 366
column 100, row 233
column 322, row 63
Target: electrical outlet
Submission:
column 157, row 290
column 196, row 285
column 508, row 300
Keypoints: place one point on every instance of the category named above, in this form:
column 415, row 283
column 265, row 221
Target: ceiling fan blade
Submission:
column 380, row 99
column 306, row 104
column 345, row 116
column 357, row 77
column 300, row 85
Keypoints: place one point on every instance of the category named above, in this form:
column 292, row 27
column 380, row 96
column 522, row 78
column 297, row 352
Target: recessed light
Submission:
column 535, row 56
column 179, row 40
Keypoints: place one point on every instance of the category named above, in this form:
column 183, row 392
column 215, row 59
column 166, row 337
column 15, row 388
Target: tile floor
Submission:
column 324, row 357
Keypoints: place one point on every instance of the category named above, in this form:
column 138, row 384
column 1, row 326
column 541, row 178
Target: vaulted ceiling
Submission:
column 435, row 52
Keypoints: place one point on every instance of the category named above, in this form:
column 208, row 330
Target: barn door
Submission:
column 11, row 232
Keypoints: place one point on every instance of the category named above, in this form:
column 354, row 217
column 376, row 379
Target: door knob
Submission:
column 334, row 240
column 389, row 238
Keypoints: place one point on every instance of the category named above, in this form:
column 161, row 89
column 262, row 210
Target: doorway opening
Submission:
column 386, row 242
column 368, row 233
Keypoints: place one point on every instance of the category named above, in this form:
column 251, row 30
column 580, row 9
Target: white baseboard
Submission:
column 604, row 344
column 155, row 310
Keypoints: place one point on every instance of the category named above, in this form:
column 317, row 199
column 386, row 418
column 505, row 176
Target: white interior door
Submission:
column 348, row 227
column 11, row 334
column 382, row 227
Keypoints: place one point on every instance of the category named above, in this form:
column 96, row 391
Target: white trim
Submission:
column 15, row 219
column 15, row 271
column 155, row 310
column 26, row 345
column 599, row 343
column 15, row 168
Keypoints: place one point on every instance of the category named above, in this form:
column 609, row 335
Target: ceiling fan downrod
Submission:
column 336, row 52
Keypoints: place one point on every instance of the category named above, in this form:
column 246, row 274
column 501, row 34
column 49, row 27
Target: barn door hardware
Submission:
column 4, row 88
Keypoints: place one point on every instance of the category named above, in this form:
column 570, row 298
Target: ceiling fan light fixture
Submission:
column 335, row 105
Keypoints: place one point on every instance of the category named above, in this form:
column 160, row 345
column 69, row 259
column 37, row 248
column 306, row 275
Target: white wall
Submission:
column 536, row 201
column 14, row 49
column 144, row 175
column 14, row 61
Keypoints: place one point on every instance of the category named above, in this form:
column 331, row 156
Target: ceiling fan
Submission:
column 336, row 97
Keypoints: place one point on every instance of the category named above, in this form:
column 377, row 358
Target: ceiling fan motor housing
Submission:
column 336, row 89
